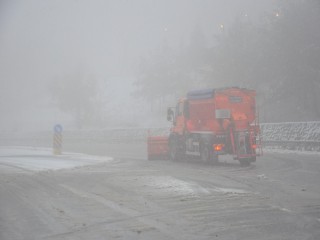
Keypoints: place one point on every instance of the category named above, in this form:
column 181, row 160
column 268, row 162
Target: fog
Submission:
column 94, row 49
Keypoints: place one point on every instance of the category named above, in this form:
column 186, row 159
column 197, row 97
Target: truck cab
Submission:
column 178, row 116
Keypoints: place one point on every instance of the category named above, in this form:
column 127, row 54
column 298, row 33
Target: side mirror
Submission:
column 186, row 110
column 170, row 115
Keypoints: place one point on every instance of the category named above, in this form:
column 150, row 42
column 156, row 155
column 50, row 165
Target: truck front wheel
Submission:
column 173, row 151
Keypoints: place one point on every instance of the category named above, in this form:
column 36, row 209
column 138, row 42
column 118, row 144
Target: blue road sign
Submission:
column 57, row 128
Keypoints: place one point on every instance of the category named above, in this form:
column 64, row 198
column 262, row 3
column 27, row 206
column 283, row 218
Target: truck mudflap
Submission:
column 157, row 147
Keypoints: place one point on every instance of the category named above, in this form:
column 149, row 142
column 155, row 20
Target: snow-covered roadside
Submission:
column 293, row 136
column 39, row 159
column 291, row 132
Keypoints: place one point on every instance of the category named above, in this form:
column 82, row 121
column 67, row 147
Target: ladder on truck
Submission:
column 241, row 139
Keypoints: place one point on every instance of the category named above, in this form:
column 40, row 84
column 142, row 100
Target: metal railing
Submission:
column 303, row 136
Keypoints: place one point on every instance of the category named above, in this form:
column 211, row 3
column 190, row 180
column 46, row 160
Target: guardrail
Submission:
column 116, row 135
column 303, row 136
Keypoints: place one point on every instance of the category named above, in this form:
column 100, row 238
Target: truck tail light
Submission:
column 218, row 147
column 254, row 146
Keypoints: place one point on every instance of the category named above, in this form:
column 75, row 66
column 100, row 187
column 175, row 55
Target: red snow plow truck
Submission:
column 212, row 122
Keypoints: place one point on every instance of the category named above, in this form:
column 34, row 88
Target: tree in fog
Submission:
column 279, row 57
column 77, row 95
column 158, row 76
column 168, row 73
column 295, row 36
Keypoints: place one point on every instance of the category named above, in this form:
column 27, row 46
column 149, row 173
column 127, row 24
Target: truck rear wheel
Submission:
column 215, row 158
column 244, row 162
column 205, row 154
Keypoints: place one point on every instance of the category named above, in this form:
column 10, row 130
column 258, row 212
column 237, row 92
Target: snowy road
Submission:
column 79, row 196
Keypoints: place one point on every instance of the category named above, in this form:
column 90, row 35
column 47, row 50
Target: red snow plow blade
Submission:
column 157, row 147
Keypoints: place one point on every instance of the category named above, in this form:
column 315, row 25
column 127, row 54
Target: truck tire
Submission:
column 173, row 151
column 215, row 158
column 151, row 158
column 244, row 162
column 205, row 154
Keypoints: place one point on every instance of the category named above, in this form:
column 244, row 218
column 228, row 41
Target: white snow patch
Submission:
column 180, row 187
column 282, row 209
column 230, row 190
column 262, row 176
column 38, row 159
column 171, row 184
column 285, row 210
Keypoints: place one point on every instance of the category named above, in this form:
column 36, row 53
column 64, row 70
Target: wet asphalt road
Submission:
column 128, row 197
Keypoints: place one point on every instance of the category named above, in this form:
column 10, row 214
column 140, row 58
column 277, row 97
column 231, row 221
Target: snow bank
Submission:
column 292, row 135
column 39, row 159
column 294, row 131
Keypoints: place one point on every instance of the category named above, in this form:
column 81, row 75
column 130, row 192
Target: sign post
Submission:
column 57, row 139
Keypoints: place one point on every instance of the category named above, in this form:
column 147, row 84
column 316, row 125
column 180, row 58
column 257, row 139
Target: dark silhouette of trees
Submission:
column 280, row 58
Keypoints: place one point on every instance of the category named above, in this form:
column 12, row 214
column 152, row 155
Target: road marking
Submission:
column 130, row 213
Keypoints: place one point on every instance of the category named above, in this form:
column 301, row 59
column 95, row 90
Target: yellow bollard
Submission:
column 57, row 140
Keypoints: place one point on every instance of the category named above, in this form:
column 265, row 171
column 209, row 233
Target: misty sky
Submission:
column 42, row 40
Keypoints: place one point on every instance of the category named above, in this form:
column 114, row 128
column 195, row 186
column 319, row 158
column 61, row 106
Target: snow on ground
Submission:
column 174, row 185
column 169, row 184
column 38, row 159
